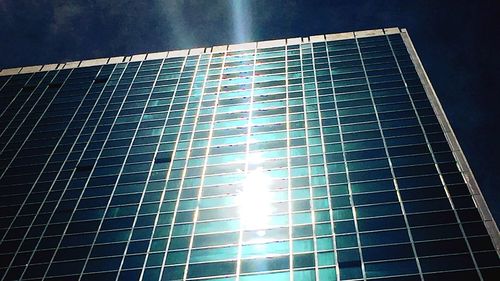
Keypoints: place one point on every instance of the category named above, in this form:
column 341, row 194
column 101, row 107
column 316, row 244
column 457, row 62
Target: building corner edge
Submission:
column 457, row 151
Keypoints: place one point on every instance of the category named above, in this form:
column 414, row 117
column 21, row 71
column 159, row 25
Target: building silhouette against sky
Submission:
column 319, row 158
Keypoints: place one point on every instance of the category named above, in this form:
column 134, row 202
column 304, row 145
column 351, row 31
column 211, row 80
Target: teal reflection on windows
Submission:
column 265, row 264
column 302, row 218
column 214, row 254
column 326, row 258
column 278, row 220
column 303, row 245
column 324, row 243
column 303, row 260
column 274, row 276
column 305, row 275
column 346, row 241
column 266, row 249
column 215, row 239
column 323, row 229
column 217, row 226
column 211, row 269
column 342, row 214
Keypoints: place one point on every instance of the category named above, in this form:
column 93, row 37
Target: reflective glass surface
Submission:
column 318, row 161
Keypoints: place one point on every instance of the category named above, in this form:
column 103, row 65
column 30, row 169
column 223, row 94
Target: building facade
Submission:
column 319, row 158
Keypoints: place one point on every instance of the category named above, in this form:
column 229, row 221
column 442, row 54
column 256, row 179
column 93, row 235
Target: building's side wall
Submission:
column 488, row 219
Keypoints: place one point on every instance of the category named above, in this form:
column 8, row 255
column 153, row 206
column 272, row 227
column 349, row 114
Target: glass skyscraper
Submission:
column 319, row 158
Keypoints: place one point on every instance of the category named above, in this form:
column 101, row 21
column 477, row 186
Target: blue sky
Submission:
column 456, row 41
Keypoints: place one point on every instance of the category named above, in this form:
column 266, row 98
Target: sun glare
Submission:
column 254, row 201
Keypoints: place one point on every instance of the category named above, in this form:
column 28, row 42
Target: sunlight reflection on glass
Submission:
column 254, row 159
column 255, row 202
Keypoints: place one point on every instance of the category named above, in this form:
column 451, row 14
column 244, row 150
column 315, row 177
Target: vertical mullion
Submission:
column 325, row 166
column 162, row 198
column 174, row 95
column 349, row 187
column 5, row 83
column 304, row 105
column 124, row 162
column 181, row 126
column 188, row 155
column 247, row 155
column 150, row 169
column 158, row 147
column 23, row 103
column 4, row 129
column 86, row 182
column 69, row 180
column 26, row 139
column 6, row 108
column 25, row 117
column 207, row 153
column 79, row 158
column 289, row 169
column 323, row 153
column 59, row 171
column 35, row 125
column 391, row 166
column 427, row 142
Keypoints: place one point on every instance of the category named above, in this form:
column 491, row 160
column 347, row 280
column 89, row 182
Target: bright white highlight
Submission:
column 254, row 158
column 254, row 201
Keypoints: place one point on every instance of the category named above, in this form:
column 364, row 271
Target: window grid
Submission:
column 163, row 194
column 61, row 167
column 391, row 167
column 203, row 173
column 247, row 156
column 363, row 182
column 15, row 99
column 31, row 131
column 80, row 196
column 181, row 185
column 5, row 130
column 309, row 51
column 45, row 162
column 330, row 207
column 289, row 173
column 147, row 180
column 470, row 252
column 122, row 166
column 349, row 187
column 199, row 193
column 4, row 171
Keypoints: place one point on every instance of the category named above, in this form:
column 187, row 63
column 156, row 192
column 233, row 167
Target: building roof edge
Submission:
column 213, row 49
